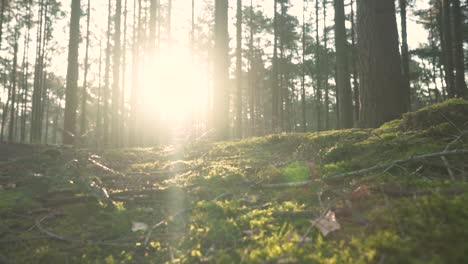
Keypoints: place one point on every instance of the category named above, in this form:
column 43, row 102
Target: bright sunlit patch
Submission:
column 174, row 88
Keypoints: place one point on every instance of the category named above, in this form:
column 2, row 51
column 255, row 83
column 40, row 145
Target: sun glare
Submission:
column 174, row 87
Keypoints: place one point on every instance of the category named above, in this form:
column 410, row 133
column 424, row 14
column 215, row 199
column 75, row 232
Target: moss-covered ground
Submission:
column 229, row 202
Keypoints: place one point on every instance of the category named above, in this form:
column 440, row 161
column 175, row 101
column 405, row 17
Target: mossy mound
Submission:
column 454, row 112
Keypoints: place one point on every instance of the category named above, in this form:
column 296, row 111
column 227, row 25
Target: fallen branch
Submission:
column 397, row 162
column 104, row 167
column 287, row 184
column 51, row 234
column 385, row 166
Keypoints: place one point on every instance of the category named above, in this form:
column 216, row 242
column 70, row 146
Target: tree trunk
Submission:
column 46, row 123
column 318, row 88
column 43, row 74
column 357, row 105
column 25, row 77
column 105, row 98
column 343, row 85
column 38, row 68
column 325, row 67
column 2, row 11
column 239, row 69
column 252, row 87
column 460, row 84
column 303, row 93
column 124, row 75
column 446, row 39
column 116, row 76
column 405, row 57
column 11, row 135
column 381, row 81
column 99, row 99
column 274, row 79
column 72, row 75
column 221, row 65
column 84, row 96
column 135, row 55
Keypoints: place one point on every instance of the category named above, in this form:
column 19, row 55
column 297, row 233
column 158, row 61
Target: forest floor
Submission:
column 396, row 194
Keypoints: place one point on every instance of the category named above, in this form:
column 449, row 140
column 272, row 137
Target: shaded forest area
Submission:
column 266, row 67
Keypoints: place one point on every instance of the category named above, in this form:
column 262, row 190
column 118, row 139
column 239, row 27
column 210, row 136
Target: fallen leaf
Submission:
column 326, row 223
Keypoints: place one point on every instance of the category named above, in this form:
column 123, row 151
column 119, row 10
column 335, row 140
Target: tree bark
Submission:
column 38, row 70
column 84, row 96
column 239, row 69
column 252, row 87
column 116, row 76
column 318, row 86
column 105, row 97
column 135, row 54
column 325, row 67
column 356, row 96
column 446, row 39
column 221, row 64
column 274, row 79
column 459, row 56
column 72, row 75
column 303, row 92
column 381, row 80
column 343, row 85
column 11, row 135
column 405, row 57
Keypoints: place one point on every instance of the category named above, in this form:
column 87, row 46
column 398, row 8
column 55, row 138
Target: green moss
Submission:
column 454, row 111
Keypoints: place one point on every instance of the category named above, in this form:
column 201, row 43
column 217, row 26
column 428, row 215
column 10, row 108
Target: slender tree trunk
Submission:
column 405, row 57
column 43, row 75
column 4, row 110
column 221, row 65
column 25, row 76
column 303, row 93
column 325, row 67
column 343, row 86
column 36, row 98
column 318, row 88
column 135, row 55
column 446, row 39
column 105, row 111
column 357, row 105
column 239, row 69
column 11, row 135
column 275, row 86
column 99, row 101
column 46, row 123
column 380, row 74
column 251, row 73
column 459, row 56
column 116, row 76
column 2, row 11
column 281, row 71
column 84, row 96
column 124, row 75
column 72, row 75
column 58, row 110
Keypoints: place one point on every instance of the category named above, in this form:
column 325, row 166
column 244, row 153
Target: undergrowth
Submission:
column 207, row 202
